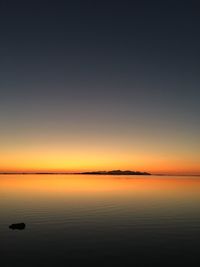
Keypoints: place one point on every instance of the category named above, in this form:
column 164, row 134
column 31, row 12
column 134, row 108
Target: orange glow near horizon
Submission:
column 49, row 155
column 64, row 163
column 49, row 164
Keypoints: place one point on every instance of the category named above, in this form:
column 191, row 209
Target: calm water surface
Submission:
column 72, row 220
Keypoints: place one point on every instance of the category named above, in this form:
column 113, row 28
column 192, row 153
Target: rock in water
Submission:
column 17, row 226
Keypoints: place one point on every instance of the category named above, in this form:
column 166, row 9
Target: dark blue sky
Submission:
column 100, row 66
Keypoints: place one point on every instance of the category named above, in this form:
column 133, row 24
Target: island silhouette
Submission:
column 117, row 172
column 113, row 172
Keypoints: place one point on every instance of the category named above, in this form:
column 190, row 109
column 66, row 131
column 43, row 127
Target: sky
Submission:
column 100, row 85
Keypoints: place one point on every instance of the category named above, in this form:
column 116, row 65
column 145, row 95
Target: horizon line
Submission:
column 87, row 172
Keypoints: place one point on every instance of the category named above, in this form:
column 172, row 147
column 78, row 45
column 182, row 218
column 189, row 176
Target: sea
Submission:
column 99, row 220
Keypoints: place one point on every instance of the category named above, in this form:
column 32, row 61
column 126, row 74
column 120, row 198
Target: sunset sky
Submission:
column 94, row 85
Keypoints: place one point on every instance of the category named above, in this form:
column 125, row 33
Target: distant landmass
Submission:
column 116, row 172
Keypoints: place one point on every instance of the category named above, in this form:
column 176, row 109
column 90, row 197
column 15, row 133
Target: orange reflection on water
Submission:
column 91, row 184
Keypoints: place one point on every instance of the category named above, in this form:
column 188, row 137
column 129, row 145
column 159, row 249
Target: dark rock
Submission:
column 17, row 226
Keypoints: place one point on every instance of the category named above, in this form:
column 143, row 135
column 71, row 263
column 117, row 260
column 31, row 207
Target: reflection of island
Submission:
column 117, row 172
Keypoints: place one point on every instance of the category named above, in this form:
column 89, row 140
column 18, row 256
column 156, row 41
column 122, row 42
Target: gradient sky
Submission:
column 88, row 85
